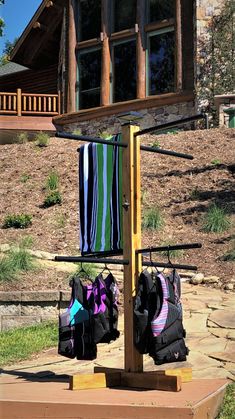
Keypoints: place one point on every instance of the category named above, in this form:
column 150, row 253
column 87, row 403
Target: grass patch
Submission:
column 216, row 162
column 216, row 220
column 52, row 182
column 24, row 178
column 20, row 344
column 42, row 139
column 22, row 138
column 227, row 409
column 156, row 144
column 16, row 261
column 17, row 221
column 194, row 194
column 153, row 219
column 85, row 270
column 77, row 132
column 171, row 253
column 60, row 221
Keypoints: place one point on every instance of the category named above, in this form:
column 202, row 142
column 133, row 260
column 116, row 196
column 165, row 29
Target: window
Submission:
column 124, row 71
column 89, row 19
column 161, row 58
column 160, row 10
column 124, row 14
column 89, row 76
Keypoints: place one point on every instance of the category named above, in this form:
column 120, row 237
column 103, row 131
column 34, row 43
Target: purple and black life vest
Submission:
column 158, row 318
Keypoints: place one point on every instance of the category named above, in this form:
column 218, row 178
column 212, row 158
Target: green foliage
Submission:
column 227, row 409
column 172, row 253
column 216, row 58
column 7, row 49
column 22, row 138
column 216, row 220
column 42, row 139
column 19, row 344
column 53, row 198
column 17, row 221
column 77, row 132
column 2, row 23
column 194, row 194
column 156, row 144
column 52, row 182
column 152, row 219
column 85, row 270
column 216, row 162
column 24, row 178
column 16, row 261
column 104, row 135
column 60, row 221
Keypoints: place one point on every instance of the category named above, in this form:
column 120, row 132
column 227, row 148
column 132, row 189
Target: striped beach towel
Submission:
column 100, row 197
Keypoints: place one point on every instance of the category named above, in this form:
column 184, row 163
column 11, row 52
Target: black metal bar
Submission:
column 171, row 247
column 89, row 139
column 167, row 152
column 170, row 124
column 91, row 260
column 170, row 265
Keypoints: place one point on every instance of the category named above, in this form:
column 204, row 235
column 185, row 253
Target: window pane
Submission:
column 124, row 71
column 161, row 63
column 124, row 14
column 161, row 9
column 89, row 23
column 89, row 79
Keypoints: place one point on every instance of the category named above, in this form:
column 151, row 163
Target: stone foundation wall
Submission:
column 30, row 307
column 151, row 117
column 206, row 9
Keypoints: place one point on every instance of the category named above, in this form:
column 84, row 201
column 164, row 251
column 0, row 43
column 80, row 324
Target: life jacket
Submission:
column 75, row 326
column 105, row 310
column 158, row 321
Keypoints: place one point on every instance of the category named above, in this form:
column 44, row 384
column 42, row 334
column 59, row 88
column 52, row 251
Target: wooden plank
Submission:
column 178, row 47
column 131, row 242
column 18, row 102
column 98, row 380
column 184, row 373
column 151, row 381
column 141, row 51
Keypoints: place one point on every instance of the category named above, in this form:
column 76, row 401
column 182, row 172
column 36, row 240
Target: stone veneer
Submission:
column 206, row 9
column 25, row 308
column 151, row 117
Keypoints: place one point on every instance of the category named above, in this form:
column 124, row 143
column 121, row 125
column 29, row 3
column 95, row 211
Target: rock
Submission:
column 223, row 318
column 197, row 279
column 211, row 280
column 228, row 287
column 223, row 356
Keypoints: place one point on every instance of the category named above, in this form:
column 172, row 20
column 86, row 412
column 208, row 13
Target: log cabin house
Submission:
column 105, row 57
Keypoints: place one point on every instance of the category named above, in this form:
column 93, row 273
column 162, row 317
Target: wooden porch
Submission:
column 28, row 111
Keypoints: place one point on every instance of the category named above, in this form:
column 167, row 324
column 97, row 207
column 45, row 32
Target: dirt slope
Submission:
column 183, row 189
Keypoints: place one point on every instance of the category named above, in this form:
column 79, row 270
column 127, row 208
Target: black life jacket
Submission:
column 158, row 324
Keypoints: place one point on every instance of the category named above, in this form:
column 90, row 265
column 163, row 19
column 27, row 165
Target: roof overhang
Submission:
column 39, row 44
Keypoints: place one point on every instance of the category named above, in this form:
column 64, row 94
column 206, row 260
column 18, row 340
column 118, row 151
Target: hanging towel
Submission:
column 100, row 196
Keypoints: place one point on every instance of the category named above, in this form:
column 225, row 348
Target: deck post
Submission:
column 131, row 240
column 141, row 55
column 72, row 64
column 19, row 105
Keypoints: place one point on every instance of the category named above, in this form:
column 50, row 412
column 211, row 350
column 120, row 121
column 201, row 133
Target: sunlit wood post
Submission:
column 19, row 109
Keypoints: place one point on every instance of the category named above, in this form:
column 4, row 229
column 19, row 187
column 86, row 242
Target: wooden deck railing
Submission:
column 29, row 104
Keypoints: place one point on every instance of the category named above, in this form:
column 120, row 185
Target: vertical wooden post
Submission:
column 105, row 71
column 72, row 63
column 178, row 46
column 19, row 109
column 140, row 52
column 131, row 241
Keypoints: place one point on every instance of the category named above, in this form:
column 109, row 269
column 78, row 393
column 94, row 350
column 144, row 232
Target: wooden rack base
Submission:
column 168, row 380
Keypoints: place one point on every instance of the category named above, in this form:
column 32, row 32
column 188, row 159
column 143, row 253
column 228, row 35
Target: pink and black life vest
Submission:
column 158, row 318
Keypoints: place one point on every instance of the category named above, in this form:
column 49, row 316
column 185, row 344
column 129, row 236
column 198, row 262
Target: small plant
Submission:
column 171, row 253
column 42, row 139
column 17, row 221
column 52, row 181
column 60, row 221
column 53, row 198
column 153, row 219
column 230, row 254
column 144, row 196
column 22, row 138
column 77, row 132
column 227, row 408
column 105, row 135
column 194, row 194
column 24, row 178
column 216, row 220
column 85, row 270
column 216, row 162
column 156, row 144
column 7, row 273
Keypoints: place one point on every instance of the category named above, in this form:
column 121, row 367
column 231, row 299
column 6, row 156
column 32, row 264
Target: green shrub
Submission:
column 22, row 138
column 24, row 178
column 77, row 132
column 7, row 271
column 156, row 144
column 153, row 219
column 53, row 198
column 216, row 162
column 52, row 182
column 60, row 221
column 42, row 139
column 194, row 194
column 216, row 220
column 104, row 135
column 17, row 221
column 85, row 270
column 227, row 409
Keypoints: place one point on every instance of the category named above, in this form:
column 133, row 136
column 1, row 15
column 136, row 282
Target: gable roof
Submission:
column 39, row 44
column 11, row 68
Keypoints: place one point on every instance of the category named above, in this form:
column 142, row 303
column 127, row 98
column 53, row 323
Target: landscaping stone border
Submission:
column 25, row 308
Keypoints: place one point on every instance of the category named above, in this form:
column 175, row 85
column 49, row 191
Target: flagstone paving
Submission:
column 209, row 318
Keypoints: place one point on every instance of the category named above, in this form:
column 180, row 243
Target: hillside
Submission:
column 182, row 189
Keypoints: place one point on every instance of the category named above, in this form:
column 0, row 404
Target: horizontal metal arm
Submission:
column 171, row 124
column 91, row 260
column 167, row 152
column 170, row 247
column 89, row 139
column 170, row 265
